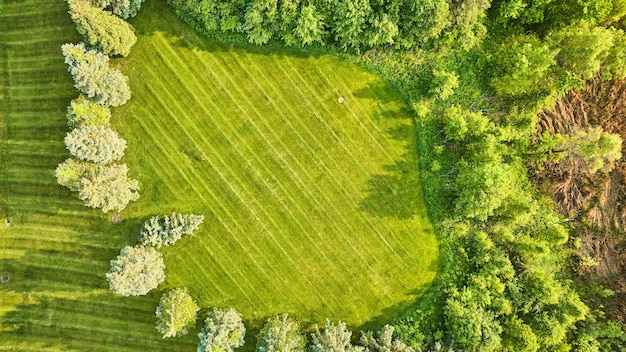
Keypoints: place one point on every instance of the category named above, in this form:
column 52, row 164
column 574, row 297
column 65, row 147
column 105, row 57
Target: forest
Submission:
column 493, row 154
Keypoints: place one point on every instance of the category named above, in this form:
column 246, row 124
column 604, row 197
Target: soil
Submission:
column 598, row 200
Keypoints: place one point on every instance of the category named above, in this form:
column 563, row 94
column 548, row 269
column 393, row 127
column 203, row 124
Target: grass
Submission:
column 312, row 207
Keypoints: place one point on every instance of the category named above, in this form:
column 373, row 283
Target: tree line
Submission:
column 93, row 170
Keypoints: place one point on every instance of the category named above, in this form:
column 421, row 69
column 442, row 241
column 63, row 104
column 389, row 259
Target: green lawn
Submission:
column 312, row 207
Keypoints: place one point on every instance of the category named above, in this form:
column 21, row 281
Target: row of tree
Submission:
column 94, row 146
column 140, row 269
column 349, row 24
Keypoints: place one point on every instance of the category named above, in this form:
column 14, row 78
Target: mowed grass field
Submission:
column 312, row 206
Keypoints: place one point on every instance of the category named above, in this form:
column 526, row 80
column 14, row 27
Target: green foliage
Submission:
column 97, row 144
column 136, row 271
column 93, row 76
column 384, row 342
column 112, row 35
column 335, row 338
column 592, row 149
column 85, row 112
column 309, row 26
column 176, row 313
column 443, row 84
column 521, row 65
column 280, row 334
column 99, row 186
column 350, row 21
column 260, row 20
column 171, row 229
column 223, row 331
column 584, row 49
column 121, row 8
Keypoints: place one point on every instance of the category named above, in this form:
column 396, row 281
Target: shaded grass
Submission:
column 312, row 207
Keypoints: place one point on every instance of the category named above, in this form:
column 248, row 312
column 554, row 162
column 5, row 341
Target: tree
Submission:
column 108, row 187
column 70, row 172
column 111, row 34
column 522, row 65
column 136, row 271
column 583, row 49
column 309, row 25
column 350, row 22
column 97, row 144
column 93, row 76
column 176, row 313
column 382, row 30
column 384, row 342
column 280, row 334
column 121, row 8
column 260, row 20
column 85, row 112
column 335, row 338
column 223, row 331
column 590, row 150
column 157, row 233
column 100, row 186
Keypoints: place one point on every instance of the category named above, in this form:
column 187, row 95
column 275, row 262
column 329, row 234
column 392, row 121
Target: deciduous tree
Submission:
column 93, row 76
column 136, row 271
column 176, row 313
column 121, row 8
column 110, row 33
column 223, row 331
column 280, row 334
column 97, row 144
column 85, row 112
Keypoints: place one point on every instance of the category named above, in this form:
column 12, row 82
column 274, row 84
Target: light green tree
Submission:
column 334, row 338
column 70, row 172
column 384, row 342
column 223, row 331
column 93, row 76
column 85, row 112
column 110, row 33
column 158, row 233
column 590, row 149
column 108, row 187
column 176, row 313
column 121, row 8
column 260, row 20
column 97, row 144
column 309, row 26
column 350, row 22
column 280, row 334
column 136, row 271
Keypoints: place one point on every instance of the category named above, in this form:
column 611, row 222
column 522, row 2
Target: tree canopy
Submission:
column 96, row 144
column 280, row 334
column 223, row 331
column 136, row 271
column 176, row 313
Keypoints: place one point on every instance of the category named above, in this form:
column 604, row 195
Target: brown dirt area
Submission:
column 600, row 199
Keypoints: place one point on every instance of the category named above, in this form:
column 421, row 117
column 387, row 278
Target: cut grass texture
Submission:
column 312, row 206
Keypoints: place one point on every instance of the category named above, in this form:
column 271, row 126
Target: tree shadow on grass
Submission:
column 398, row 192
column 85, row 321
